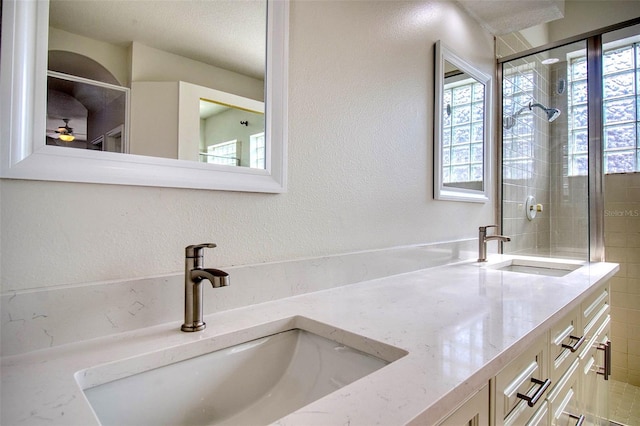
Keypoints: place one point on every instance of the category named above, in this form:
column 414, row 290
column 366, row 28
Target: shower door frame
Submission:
column 595, row 177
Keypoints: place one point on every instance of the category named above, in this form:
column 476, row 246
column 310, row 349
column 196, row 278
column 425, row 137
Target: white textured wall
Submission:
column 360, row 165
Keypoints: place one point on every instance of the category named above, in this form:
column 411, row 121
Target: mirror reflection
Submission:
column 86, row 114
column 462, row 130
column 231, row 136
column 116, row 74
column 462, row 117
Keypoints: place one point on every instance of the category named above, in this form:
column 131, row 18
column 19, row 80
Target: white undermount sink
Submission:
column 255, row 382
column 548, row 267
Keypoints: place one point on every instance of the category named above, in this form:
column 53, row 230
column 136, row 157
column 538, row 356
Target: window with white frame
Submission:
column 462, row 131
column 621, row 118
column 223, row 153
column 518, row 139
column 257, row 151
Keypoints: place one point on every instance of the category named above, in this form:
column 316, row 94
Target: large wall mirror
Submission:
column 153, row 93
column 461, row 129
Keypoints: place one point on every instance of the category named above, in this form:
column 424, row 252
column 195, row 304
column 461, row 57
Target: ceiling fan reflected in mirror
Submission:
column 65, row 132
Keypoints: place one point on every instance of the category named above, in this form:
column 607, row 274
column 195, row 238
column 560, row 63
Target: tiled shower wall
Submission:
column 569, row 203
column 526, row 154
column 622, row 245
column 535, row 163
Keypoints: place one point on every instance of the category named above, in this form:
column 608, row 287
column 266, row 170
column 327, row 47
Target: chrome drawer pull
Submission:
column 606, row 370
column 576, row 345
column 580, row 418
column 532, row 400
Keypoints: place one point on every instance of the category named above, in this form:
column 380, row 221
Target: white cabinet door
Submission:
column 474, row 412
column 595, row 366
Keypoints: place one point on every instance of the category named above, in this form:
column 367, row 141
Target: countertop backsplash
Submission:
column 33, row 320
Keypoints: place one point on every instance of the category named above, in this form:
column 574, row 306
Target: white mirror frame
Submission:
column 440, row 191
column 24, row 154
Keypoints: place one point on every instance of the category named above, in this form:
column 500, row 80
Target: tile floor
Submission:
column 624, row 403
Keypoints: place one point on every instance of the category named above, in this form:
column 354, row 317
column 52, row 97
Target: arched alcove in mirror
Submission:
column 86, row 106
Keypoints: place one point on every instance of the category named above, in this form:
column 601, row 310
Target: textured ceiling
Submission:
column 229, row 34
column 506, row 16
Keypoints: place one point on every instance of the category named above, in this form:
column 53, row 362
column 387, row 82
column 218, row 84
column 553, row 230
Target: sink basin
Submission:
column 546, row 267
column 256, row 382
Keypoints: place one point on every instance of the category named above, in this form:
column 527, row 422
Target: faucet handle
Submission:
column 484, row 228
column 196, row 249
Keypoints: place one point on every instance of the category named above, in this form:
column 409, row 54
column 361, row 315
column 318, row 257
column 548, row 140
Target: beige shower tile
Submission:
column 633, row 364
column 615, row 239
column 619, row 331
column 619, row 359
column 619, row 373
column 615, row 224
column 619, row 284
column 633, row 330
column 633, row 224
column 616, row 254
column 633, row 193
column 633, row 269
column 620, row 300
column 633, row 316
column 633, row 286
column 620, row 314
column 633, row 239
column 633, row 301
column 633, row 253
column 633, row 346
column 615, row 190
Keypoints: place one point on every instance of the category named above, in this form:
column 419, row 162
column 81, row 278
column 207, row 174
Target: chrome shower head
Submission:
column 510, row 121
column 552, row 113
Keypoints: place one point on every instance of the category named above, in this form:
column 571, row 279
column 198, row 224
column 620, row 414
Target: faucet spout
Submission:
column 483, row 238
column 498, row 238
column 193, row 289
column 216, row 277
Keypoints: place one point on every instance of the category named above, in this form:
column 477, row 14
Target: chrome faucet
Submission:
column 482, row 241
column 194, row 273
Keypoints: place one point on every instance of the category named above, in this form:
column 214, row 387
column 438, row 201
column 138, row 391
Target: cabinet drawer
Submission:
column 565, row 339
column 521, row 385
column 563, row 398
column 594, row 369
column 593, row 307
column 597, row 314
column 475, row 411
column 541, row 416
column 593, row 355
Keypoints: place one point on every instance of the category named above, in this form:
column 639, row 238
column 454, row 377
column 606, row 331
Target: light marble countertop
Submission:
column 460, row 324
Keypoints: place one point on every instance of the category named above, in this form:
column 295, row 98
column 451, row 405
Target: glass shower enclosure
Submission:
column 570, row 115
column 545, row 194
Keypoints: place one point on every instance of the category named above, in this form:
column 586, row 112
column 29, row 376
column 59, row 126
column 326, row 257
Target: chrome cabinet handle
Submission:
column 576, row 345
column 606, row 370
column 532, row 400
column 581, row 418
